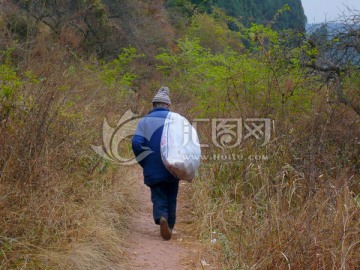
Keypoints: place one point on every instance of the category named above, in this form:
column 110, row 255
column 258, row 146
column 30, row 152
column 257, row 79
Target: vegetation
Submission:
column 247, row 11
column 290, row 203
column 58, row 197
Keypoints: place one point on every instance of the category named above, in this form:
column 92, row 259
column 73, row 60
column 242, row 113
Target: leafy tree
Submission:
column 214, row 33
column 229, row 81
column 10, row 84
column 333, row 53
column 118, row 74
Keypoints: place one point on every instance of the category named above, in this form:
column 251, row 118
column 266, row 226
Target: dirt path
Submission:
column 147, row 249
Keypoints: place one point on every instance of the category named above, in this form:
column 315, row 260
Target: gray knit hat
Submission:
column 162, row 96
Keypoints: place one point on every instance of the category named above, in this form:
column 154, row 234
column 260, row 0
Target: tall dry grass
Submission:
column 61, row 206
column 297, row 209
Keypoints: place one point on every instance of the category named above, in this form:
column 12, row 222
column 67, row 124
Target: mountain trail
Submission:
column 147, row 250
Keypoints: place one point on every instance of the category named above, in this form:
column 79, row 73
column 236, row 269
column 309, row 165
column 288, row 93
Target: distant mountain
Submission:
column 330, row 27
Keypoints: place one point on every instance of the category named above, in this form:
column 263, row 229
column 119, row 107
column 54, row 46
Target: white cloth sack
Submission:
column 180, row 147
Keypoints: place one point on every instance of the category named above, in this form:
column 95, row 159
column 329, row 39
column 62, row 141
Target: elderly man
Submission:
column 163, row 185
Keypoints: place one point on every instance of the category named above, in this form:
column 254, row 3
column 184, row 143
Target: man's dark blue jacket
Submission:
column 146, row 147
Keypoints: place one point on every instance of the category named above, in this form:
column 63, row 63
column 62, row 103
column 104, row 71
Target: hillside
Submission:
column 104, row 27
column 248, row 11
column 264, row 11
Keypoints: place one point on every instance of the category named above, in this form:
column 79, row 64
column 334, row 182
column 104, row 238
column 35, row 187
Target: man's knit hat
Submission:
column 162, row 96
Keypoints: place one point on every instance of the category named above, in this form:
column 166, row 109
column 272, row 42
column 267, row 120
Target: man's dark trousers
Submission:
column 163, row 197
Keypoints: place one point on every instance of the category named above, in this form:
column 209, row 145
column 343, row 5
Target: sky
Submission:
column 318, row 11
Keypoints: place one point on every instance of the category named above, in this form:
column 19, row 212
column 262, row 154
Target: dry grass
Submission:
column 297, row 210
column 282, row 228
column 97, row 241
column 77, row 229
column 61, row 206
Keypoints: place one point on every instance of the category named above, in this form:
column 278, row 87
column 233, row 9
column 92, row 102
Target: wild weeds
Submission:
column 61, row 206
column 283, row 212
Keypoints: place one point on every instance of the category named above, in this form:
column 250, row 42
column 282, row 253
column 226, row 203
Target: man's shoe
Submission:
column 164, row 229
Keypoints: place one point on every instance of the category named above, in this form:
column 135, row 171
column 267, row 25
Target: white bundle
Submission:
column 180, row 147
